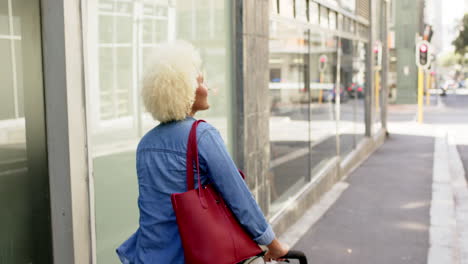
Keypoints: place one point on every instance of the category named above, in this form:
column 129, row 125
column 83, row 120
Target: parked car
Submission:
column 355, row 90
column 344, row 96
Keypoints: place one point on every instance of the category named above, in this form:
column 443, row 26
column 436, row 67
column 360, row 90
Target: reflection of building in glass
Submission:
column 304, row 63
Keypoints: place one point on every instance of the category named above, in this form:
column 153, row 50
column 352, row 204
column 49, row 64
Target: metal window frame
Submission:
column 369, row 94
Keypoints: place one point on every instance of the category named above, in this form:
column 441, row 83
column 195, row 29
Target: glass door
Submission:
column 25, row 231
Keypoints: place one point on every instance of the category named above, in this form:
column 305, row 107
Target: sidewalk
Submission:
column 407, row 203
column 383, row 215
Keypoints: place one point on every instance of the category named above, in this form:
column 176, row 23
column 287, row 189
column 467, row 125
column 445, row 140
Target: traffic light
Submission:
column 422, row 54
column 377, row 55
column 322, row 62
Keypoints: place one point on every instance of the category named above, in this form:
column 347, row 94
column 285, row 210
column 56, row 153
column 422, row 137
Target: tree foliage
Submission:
column 461, row 42
column 450, row 59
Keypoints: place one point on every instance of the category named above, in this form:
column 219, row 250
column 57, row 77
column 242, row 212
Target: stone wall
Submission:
column 253, row 42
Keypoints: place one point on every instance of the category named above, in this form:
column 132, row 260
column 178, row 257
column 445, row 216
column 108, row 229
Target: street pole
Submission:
column 377, row 88
column 320, row 90
column 385, row 66
column 428, row 87
column 420, row 94
column 370, row 69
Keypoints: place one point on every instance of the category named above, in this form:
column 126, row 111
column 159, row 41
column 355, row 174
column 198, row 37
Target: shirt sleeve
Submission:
column 226, row 178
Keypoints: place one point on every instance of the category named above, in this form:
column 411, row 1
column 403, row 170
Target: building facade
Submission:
column 408, row 25
column 297, row 93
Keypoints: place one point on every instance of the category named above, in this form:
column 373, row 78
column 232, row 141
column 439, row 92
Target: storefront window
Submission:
column 289, row 114
column 359, row 77
column 323, row 60
column 352, row 95
column 25, row 215
column 122, row 36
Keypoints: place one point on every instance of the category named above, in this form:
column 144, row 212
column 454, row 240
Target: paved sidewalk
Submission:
column 383, row 216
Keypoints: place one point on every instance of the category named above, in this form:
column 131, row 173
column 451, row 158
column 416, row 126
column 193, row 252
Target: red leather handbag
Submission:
column 209, row 231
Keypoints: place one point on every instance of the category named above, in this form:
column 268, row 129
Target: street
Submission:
column 407, row 203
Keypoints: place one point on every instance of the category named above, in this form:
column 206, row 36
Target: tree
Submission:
column 461, row 42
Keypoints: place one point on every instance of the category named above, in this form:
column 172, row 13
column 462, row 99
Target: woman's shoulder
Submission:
column 205, row 128
column 163, row 134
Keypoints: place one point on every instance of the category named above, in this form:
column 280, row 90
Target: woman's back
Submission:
column 161, row 170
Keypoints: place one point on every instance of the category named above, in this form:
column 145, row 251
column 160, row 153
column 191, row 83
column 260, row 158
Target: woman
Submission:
column 173, row 92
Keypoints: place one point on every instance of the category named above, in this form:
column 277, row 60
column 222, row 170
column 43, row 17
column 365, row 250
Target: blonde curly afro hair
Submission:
column 170, row 80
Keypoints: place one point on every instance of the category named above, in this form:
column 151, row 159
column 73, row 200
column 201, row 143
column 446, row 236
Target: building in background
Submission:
column 296, row 95
column 408, row 25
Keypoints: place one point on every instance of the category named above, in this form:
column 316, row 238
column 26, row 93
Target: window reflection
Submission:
column 352, row 77
column 302, row 107
column 349, row 93
column 289, row 118
column 121, row 36
column 23, row 180
column 323, row 61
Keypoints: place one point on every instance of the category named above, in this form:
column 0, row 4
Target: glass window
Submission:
column 289, row 113
column 322, row 99
column 313, row 13
column 121, row 36
column 332, row 19
column 324, row 17
column 352, row 27
column 339, row 22
column 274, row 7
column 350, row 90
column 4, row 18
column 301, row 10
column 287, row 8
column 9, row 105
column 25, row 217
column 377, row 100
column 359, row 77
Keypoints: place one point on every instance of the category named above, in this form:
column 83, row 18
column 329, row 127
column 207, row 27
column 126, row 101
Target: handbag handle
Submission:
column 192, row 153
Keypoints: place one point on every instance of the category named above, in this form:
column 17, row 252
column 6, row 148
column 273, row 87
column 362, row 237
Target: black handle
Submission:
column 295, row 254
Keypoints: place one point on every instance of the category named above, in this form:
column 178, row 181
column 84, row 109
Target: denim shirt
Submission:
column 161, row 170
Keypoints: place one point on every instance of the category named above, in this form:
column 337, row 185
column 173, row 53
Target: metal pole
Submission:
column 337, row 95
column 377, row 88
column 420, row 94
column 370, row 72
column 385, row 67
column 428, row 87
column 320, row 99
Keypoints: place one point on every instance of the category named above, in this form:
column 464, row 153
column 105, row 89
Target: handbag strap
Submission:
column 192, row 153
